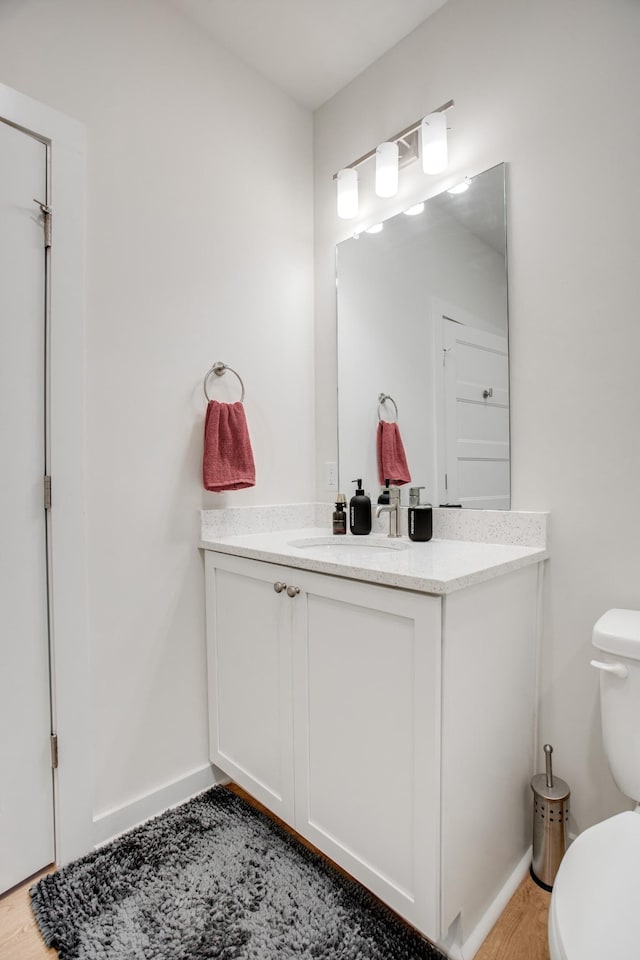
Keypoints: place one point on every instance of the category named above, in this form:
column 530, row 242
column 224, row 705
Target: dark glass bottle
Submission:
column 339, row 516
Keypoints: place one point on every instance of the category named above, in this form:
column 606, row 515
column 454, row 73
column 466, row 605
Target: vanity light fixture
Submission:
column 376, row 228
column 387, row 155
column 347, row 193
column 461, row 187
column 433, row 143
column 416, row 209
column 427, row 136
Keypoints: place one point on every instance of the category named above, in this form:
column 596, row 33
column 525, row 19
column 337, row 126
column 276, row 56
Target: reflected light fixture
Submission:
column 376, row 228
column 387, row 169
column 347, row 193
column 414, row 210
column 427, row 136
column 433, row 143
column 461, row 187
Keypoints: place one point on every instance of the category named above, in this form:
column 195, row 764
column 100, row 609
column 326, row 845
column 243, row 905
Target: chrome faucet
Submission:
column 393, row 509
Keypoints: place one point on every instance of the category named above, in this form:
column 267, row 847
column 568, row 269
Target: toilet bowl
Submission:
column 595, row 905
column 594, row 912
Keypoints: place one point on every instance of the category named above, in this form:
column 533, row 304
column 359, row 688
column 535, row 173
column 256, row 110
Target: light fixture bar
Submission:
column 397, row 136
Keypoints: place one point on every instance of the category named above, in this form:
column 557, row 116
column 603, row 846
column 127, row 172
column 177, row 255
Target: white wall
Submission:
column 199, row 249
column 550, row 87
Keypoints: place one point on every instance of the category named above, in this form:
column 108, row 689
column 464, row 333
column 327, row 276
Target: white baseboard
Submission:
column 482, row 929
column 112, row 823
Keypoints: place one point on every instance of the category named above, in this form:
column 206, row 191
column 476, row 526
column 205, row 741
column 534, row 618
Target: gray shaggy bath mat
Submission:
column 215, row 878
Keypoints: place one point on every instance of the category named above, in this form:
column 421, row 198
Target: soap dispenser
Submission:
column 339, row 516
column 420, row 518
column 385, row 493
column 360, row 512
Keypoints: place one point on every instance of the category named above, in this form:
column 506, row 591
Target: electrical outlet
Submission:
column 331, row 474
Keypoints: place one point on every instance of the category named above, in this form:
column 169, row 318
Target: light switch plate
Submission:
column 331, row 474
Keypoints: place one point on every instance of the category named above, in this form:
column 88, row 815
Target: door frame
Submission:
column 69, row 634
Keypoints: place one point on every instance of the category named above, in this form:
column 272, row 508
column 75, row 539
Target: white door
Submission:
column 26, row 781
column 476, row 418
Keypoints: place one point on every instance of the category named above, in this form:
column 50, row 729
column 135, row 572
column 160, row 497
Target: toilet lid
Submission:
column 596, row 893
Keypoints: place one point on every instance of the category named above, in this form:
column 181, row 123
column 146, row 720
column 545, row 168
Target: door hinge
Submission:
column 446, row 481
column 47, row 217
column 54, row 750
column 47, row 492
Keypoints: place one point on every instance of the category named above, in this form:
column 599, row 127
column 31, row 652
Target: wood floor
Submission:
column 521, row 931
column 19, row 936
column 519, row 934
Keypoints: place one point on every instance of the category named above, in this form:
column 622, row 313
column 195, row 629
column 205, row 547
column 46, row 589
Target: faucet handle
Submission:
column 394, row 495
column 414, row 496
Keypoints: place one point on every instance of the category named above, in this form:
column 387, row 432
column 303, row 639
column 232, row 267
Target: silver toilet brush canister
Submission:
column 550, row 818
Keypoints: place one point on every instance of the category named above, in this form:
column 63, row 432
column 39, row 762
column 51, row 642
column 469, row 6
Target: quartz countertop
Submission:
column 438, row 566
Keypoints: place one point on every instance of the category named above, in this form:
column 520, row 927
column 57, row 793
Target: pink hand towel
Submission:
column 227, row 462
column 392, row 460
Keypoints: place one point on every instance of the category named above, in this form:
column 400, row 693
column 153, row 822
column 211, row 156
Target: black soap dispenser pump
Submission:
column 360, row 512
column 385, row 493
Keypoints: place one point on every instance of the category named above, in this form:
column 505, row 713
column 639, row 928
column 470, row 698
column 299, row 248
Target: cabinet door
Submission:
column 367, row 728
column 249, row 675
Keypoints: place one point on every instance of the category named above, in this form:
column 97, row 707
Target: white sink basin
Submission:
column 348, row 542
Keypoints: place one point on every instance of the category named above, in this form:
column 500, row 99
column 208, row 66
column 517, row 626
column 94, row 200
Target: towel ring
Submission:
column 382, row 397
column 220, row 369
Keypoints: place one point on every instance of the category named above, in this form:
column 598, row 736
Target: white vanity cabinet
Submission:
column 393, row 729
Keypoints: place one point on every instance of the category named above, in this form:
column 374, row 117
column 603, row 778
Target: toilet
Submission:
column 594, row 912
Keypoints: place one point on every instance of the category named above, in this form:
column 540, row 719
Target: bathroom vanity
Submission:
column 380, row 699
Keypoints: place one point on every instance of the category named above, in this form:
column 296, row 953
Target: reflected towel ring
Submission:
column 220, row 369
column 382, row 397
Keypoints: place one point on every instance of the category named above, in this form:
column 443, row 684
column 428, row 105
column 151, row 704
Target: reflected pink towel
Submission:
column 227, row 462
column 392, row 460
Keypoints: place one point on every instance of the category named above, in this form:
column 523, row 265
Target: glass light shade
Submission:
column 376, row 228
column 347, row 193
column 413, row 211
column 461, row 187
column 433, row 143
column 387, row 170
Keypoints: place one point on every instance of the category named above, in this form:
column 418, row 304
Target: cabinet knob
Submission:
column 279, row 586
column 293, row 591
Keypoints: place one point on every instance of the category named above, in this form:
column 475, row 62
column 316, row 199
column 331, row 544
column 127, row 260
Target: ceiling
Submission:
column 309, row 48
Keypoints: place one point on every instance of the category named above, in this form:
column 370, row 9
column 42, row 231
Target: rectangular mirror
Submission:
column 422, row 320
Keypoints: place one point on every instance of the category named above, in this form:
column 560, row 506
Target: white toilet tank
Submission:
column 616, row 636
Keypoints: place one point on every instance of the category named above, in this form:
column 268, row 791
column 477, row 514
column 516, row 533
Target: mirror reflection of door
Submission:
column 475, row 421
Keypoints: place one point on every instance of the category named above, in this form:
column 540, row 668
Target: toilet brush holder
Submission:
column 550, row 823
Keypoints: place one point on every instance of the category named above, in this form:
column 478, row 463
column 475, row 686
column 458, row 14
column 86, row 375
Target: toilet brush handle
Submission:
column 548, row 750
